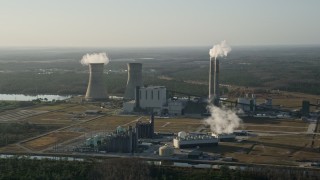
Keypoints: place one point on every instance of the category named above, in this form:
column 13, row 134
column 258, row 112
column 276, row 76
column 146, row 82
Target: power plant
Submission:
column 96, row 90
column 214, row 81
column 134, row 80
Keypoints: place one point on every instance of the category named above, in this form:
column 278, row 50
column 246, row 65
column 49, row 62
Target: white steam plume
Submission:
column 222, row 120
column 220, row 50
column 95, row 58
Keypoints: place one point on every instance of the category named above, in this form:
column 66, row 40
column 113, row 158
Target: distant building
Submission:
column 176, row 107
column 128, row 107
column 150, row 99
column 247, row 104
column 153, row 98
column 145, row 130
column 305, row 111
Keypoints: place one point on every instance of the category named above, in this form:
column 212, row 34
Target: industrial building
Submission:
column 93, row 141
column 96, row 90
column 176, row 107
column 149, row 99
column 305, row 110
column 153, row 98
column 145, row 130
column 247, row 103
column 195, row 154
column 122, row 140
column 134, row 80
column 225, row 137
column 184, row 140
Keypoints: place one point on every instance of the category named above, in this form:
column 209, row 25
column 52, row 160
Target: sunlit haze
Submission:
column 158, row 23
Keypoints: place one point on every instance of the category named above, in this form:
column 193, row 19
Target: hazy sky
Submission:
column 158, row 22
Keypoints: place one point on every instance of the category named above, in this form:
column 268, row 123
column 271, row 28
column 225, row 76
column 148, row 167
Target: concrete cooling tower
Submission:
column 214, row 81
column 134, row 79
column 96, row 90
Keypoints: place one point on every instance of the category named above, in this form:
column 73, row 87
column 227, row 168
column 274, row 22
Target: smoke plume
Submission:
column 220, row 50
column 222, row 120
column 95, row 58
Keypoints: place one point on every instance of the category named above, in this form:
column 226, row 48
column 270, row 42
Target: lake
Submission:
column 22, row 97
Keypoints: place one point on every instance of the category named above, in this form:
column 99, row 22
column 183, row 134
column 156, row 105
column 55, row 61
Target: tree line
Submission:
column 135, row 169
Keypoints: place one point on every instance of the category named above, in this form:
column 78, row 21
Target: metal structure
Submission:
column 124, row 141
column 145, row 129
column 96, row 90
column 214, row 81
column 134, row 80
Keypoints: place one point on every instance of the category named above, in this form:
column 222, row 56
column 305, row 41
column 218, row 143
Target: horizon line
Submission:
column 160, row 46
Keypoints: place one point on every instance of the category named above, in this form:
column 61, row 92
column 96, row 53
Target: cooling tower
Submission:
column 134, row 79
column 96, row 90
column 214, row 81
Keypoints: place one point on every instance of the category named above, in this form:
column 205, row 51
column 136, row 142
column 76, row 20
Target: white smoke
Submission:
column 222, row 120
column 95, row 58
column 220, row 50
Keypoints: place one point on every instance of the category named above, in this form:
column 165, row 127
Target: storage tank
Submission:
column 182, row 134
column 134, row 80
column 166, row 151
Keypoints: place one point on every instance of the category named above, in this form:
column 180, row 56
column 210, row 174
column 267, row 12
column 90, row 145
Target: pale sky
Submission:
column 132, row 23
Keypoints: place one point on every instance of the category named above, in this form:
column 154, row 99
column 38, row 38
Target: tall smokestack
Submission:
column 211, row 79
column 96, row 89
column 218, row 50
column 216, row 82
column 134, row 79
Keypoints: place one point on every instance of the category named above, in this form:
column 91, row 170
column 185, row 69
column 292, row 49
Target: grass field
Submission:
column 64, row 115
column 53, row 107
column 285, row 150
column 12, row 148
column 281, row 149
column 175, row 125
column 108, row 123
column 49, row 140
column 52, row 118
column 274, row 128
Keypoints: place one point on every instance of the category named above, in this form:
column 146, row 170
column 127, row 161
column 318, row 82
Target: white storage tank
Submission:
column 166, row 151
column 182, row 134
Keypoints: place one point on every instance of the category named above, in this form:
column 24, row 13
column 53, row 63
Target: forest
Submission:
column 135, row 169
column 182, row 69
